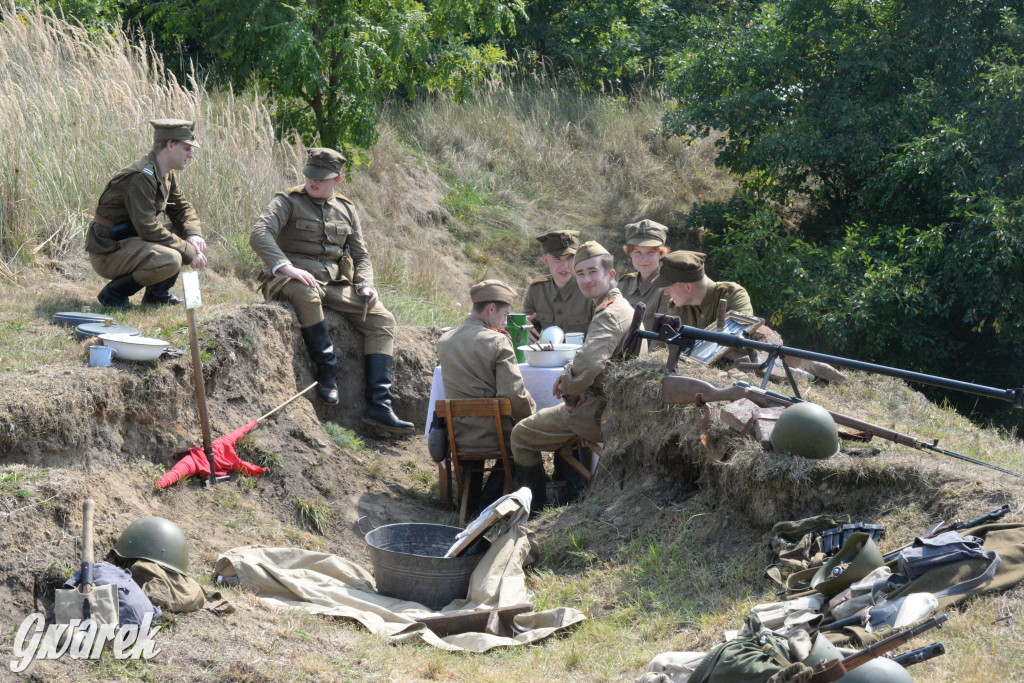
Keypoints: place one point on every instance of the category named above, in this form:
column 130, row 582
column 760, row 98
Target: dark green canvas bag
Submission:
column 752, row 658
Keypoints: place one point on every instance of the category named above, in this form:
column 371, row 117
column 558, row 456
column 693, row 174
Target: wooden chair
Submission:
column 567, row 453
column 471, row 407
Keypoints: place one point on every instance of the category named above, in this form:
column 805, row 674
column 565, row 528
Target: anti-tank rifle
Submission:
column 685, row 337
column 676, row 389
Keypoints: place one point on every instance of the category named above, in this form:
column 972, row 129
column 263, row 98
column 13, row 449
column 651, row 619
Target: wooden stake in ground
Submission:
column 190, row 281
column 264, row 417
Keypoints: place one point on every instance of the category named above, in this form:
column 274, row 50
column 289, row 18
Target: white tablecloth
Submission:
column 538, row 382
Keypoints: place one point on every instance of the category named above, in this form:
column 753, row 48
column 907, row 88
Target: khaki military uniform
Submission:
column 478, row 361
column 566, row 307
column 132, row 202
column 650, row 292
column 581, row 384
column 323, row 237
column 707, row 313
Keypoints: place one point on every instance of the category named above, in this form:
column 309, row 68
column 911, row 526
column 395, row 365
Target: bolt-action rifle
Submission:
column 921, row 654
column 686, row 390
column 685, row 337
column 826, row 672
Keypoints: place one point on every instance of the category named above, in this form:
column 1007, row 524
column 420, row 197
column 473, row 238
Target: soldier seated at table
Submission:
column 694, row 295
column 645, row 246
column 555, row 299
column 312, row 246
column 477, row 361
column 581, row 383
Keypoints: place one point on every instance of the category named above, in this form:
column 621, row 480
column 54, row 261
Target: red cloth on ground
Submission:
column 224, row 459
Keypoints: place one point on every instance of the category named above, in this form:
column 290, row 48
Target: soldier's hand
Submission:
column 370, row 292
column 531, row 330
column 555, row 391
column 198, row 242
column 303, row 276
column 198, row 261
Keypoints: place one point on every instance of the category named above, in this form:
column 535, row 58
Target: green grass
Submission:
column 314, row 514
column 346, row 438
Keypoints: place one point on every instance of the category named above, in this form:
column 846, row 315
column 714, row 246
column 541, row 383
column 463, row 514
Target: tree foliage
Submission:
column 331, row 63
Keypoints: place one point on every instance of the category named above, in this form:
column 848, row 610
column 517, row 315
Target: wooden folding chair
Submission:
column 567, row 454
column 472, row 407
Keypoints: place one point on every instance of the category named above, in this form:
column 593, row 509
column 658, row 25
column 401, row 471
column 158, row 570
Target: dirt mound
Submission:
column 67, row 433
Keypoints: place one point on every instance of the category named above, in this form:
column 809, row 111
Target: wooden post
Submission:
column 722, row 304
column 197, row 372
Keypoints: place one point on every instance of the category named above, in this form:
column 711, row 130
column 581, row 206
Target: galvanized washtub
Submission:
column 409, row 562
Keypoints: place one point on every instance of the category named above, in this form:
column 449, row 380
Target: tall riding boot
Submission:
column 321, row 351
column 378, row 395
column 117, row 292
column 160, row 293
column 534, row 478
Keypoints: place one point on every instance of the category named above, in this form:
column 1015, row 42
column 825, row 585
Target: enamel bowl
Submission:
column 555, row 358
column 128, row 347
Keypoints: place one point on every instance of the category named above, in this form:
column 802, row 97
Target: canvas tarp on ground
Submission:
column 320, row 583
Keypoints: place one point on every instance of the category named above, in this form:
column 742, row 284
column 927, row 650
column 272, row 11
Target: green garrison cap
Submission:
column 492, row 290
column 174, row 129
column 682, row 266
column 558, row 242
column 588, row 250
column 323, row 163
column 646, row 233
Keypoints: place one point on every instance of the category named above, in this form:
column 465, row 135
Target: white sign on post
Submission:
column 190, row 281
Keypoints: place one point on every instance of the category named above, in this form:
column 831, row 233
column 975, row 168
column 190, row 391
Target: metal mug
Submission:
column 574, row 338
column 99, row 356
column 518, row 328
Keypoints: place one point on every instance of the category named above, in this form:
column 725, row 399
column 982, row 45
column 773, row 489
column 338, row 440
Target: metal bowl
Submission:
column 127, row 347
column 540, row 357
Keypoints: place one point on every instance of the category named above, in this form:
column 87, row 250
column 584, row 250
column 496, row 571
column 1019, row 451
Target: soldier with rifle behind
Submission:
column 555, row 299
column 694, row 295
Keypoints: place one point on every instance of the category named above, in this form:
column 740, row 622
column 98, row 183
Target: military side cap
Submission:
column 588, row 250
column 646, row 233
column 492, row 290
column 174, row 129
column 682, row 266
column 558, row 242
column 323, row 163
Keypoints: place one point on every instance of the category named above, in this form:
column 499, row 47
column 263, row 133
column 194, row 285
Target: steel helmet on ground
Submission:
column 156, row 539
column 806, row 430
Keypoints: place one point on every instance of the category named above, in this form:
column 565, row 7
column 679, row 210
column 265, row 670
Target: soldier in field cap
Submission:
column 127, row 242
column 312, row 246
column 555, row 299
column 581, row 383
column 478, row 361
column 694, row 295
column 645, row 245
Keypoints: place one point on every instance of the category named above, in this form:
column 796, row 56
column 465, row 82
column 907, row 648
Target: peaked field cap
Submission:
column 174, row 129
column 323, row 163
column 682, row 266
column 492, row 290
column 558, row 242
column 646, row 233
column 588, row 250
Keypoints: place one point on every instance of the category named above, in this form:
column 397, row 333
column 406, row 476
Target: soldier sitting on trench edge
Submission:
column 312, row 246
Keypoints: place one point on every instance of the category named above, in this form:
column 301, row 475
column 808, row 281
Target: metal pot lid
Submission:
column 96, row 329
column 70, row 318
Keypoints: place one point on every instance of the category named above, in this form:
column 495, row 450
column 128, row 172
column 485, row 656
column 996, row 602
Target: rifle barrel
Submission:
column 1014, row 396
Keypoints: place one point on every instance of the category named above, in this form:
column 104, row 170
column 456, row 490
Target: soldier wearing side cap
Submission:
column 311, row 243
column 581, row 383
column 478, row 361
column 555, row 299
column 645, row 245
column 127, row 242
column 694, row 295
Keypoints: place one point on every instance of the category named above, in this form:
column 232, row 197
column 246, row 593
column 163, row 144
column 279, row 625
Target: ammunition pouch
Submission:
column 123, row 231
column 833, row 539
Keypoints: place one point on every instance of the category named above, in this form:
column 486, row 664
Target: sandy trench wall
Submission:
column 660, row 447
column 253, row 360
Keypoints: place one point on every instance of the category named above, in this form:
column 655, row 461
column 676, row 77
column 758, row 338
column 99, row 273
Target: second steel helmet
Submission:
column 806, row 430
column 156, row 539
column 878, row 670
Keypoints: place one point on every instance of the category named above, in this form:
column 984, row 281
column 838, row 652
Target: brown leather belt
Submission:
column 100, row 220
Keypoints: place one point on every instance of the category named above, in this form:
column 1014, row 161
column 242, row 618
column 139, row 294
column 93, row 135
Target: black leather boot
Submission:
column 321, row 351
column 378, row 395
column 534, row 478
column 160, row 293
column 117, row 292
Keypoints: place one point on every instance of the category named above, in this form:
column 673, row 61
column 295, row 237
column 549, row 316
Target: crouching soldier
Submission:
column 312, row 246
column 127, row 242
column 581, row 384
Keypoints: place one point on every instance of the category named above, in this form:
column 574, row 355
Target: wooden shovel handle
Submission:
column 87, row 507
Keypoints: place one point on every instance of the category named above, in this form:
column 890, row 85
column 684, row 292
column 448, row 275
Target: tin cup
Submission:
column 574, row 338
column 518, row 328
column 99, row 356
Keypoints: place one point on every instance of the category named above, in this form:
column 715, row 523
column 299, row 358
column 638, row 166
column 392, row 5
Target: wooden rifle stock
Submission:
column 689, row 390
column 826, row 672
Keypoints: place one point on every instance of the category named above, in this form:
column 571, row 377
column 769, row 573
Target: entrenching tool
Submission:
column 366, row 305
column 87, row 601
